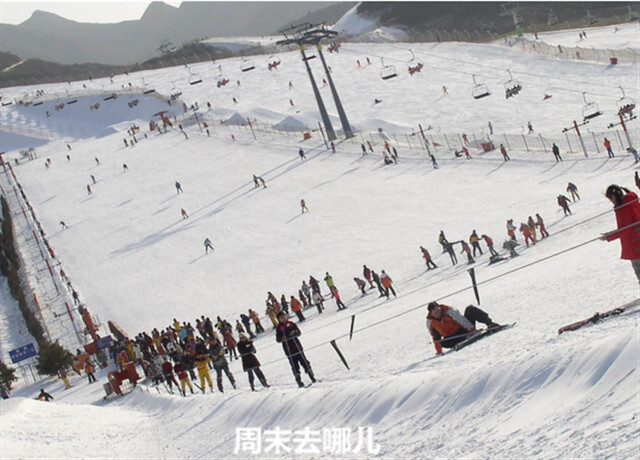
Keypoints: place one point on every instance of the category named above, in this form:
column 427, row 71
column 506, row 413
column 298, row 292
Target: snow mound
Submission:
column 374, row 124
column 236, row 119
column 291, row 124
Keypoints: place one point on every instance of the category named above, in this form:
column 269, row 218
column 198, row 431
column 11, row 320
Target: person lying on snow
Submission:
column 448, row 327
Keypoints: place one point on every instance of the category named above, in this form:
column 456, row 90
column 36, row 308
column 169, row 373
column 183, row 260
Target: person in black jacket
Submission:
column 287, row 333
column 44, row 396
column 250, row 363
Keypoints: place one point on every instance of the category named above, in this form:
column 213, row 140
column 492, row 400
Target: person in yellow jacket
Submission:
column 202, row 364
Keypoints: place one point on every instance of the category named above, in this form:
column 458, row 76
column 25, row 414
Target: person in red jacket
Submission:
column 627, row 209
column 489, row 241
column 448, row 327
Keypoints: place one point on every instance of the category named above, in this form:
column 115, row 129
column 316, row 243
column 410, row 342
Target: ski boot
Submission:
column 299, row 381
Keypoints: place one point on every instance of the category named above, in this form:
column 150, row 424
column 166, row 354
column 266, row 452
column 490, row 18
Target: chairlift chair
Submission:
column 246, row 65
column 414, row 64
column 273, row 62
column 590, row 110
column 632, row 15
column 388, row 71
column 334, row 47
column 72, row 101
column 308, row 54
column 626, row 105
column 147, row 89
column 512, row 87
column 194, row 78
column 480, row 90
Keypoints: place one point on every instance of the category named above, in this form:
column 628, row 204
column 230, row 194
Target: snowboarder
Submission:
column 627, row 210
column 541, row 227
column 303, row 206
column 178, row 187
column 287, row 333
column 563, row 202
column 556, row 152
column 250, row 363
column 302, row 155
column 607, row 145
column 427, row 258
column 571, row 188
column 44, row 396
column 207, row 245
column 505, row 155
column 387, row 284
column 448, row 327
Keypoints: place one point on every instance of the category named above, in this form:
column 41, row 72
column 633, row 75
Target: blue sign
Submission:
column 22, row 353
column 104, row 342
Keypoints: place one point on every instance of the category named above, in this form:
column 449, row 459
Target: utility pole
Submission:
column 575, row 126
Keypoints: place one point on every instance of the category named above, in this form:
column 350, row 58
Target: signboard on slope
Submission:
column 22, row 353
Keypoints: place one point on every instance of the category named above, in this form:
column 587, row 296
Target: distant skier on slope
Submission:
column 448, row 327
column 207, row 245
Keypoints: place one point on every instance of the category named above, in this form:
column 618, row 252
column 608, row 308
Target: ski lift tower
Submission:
column 296, row 35
column 315, row 36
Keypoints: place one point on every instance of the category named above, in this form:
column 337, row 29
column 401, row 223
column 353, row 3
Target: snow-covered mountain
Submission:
column 524, row 393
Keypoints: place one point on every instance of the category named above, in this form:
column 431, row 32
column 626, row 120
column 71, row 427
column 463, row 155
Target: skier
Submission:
column 627, row 210
column 540, row 224
column 62, row 372
column 448, row 247
column 256, row 183
column 125, row 168
column 556, row 152
column 184, row 213
column 511, row 229
column 93, row 179
column 526, row 232
column 510, row 245
column 63, row 225
column 167, row 372
column 427, row 258
column 287, row 334
column 465, row 139
column 369, row 146
column 250, row 363
column 207, row 245
column 304, row 287
column 443, row 241
column 302, row 155
column 366, row 272
column 607, row 145
column 466, row 249
column 444, row 90
column 503, row 150
column 529, row 127
column 296, row 307
column 88, row 369
column 183, row 376
column 532, row 225
column 318, row 301
column 230, row 342
column 89, row 192
column 474, row 239
column 490, row 126
column 44, row 396
column 361, row 284
column 376, row 280
column 489, row 242
column 466, row 152
column 336, row 295
column 202, row 364
column 434, row 162
column 329, row 280
column 364, row 149
column 634, row 152
column 97, row 161
column 387, row 284
column 247, row 324
column 563, row 202
column 571, row 188
column 448, row 327
column 256, row 321
column 178, row 187
column 303, row 206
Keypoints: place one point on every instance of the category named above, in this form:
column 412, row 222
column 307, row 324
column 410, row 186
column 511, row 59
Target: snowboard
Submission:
column 598, row 317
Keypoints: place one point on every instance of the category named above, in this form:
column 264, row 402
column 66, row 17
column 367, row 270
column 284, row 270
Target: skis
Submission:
column 478, row 335
column 600, row 316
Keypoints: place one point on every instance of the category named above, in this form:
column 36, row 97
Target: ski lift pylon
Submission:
column 590, row 110
column 511, row 87
column 388, row 71
column 414, row 64
column 626, row 105
column 246, row 65
column 273, row 62
column 479, row 90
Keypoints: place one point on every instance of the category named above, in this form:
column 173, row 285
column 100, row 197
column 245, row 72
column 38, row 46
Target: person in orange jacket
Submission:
column 88, row 369
column 526, row 232
column 607, row 145
column 387, row 284
column 627, row 209
column 296, row 306
column 448, row 327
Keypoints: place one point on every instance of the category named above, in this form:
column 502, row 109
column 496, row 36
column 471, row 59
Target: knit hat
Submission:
column 432, row 305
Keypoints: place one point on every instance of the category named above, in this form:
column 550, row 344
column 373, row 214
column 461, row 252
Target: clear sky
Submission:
column 81, row 11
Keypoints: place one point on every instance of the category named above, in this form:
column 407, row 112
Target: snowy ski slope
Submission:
column 523, row 393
